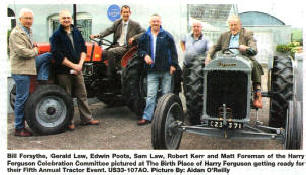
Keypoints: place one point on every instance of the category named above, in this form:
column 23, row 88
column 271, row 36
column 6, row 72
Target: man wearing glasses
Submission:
column 25, row 62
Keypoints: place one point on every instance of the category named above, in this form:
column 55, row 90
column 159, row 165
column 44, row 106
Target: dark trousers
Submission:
column 75, row 86
column 257, row 72
column 113, row 55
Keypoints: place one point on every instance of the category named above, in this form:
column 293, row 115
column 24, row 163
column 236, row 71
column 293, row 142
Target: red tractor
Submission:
column 49, row 108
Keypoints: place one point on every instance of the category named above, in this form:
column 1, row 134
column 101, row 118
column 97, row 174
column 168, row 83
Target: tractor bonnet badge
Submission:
column 220, row 64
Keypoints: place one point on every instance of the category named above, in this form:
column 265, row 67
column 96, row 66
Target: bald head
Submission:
column 196, row 28
column 65, row 18
column 155, row 22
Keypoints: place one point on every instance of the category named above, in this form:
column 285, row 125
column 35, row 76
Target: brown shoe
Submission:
column 23, row 132
column 143, row 122
column 71, row 127
column 257, row 101
column 92, row 122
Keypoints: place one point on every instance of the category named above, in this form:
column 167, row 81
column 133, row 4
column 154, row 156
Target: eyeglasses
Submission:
column 27, row 18
column 64, row 18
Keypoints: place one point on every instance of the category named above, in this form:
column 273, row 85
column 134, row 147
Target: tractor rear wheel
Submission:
column 49, row 109
column 193, row 80
column 282, row 90
column 13, row 96
column 294, row 129
column 134, row 85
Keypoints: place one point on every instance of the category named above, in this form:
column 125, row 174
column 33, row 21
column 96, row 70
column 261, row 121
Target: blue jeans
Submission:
column 153, row 80
column 42, row 65
column 23, row 85
column 22, row 92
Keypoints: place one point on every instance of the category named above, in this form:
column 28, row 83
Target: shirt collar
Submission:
column 200, row 37
column 235, row 36
column 123, row 22
column 26, row 30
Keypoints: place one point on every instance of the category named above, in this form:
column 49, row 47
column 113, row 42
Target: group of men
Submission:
column 156, row 46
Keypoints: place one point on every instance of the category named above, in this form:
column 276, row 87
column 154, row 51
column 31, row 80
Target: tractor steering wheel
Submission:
column 229, row 51
column 102, row 42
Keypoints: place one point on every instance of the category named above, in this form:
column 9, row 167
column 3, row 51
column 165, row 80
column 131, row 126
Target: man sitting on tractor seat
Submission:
column 125, row 32
column 25, row 62
column 242, row 39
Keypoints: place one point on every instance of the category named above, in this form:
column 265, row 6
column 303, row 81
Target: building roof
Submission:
column 256, row 18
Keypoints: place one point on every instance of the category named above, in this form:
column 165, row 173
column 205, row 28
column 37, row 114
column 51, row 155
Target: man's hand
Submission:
column 172, row 70
column 208, row 59
column 148, row 60
column 77, row 67
column 130, row 42
column 35, row 44
column 94, row 36
column 243, row 48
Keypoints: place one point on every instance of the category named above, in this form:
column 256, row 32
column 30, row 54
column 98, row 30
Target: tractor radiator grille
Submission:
column 230, row 88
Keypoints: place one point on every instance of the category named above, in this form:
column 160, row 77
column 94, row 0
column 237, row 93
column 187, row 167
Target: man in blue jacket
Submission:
column 158, row 50
column 69, row 51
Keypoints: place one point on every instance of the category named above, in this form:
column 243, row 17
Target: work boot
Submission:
column 257, row 101
column 23, row 132
column 91, row 122
column 71, row 127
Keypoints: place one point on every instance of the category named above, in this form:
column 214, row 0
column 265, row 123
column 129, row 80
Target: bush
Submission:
column 291, row 48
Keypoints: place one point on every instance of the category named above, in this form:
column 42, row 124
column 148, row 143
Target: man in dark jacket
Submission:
column 125, row 32
column 69, row 51
column 158, row 50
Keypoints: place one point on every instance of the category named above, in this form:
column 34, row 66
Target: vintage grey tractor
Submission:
column 220, row 95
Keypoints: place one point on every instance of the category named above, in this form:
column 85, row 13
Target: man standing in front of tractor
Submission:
column 158, row 50
column 245, row 43
column 125, row 32
column 69, row 50
column 25, row 62
column 195, row 47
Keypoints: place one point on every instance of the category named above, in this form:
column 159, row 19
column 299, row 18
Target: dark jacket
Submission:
column 61, row 47
column 166, row 54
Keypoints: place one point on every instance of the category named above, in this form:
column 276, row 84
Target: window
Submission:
column 11, row 16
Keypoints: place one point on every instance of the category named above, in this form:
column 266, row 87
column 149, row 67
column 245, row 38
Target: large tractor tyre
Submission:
column 168, row 116
column 13, row 96
column 193, row 80
column 49, row 109
column 294, row 128
column 134, row 85
column 282, row 90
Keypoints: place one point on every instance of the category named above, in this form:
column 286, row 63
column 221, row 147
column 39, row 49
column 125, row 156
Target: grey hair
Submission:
column 155, row 14
column 233, row 18
column 23, row 11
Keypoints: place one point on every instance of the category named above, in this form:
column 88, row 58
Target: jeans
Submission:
column 22, row 83
column 153, row 80
column 42, row 65
column 22, row 92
